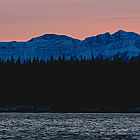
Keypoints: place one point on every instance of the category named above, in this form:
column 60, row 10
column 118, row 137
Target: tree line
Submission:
column 62, row 60
column 70, row 82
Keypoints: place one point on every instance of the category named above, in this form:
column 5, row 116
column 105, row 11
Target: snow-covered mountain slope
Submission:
column 44, row 47
column 122, row 44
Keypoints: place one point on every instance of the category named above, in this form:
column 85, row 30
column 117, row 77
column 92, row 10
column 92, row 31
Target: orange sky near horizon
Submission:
column 22, row 20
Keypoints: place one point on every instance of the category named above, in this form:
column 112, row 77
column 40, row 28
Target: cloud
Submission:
column 121, row 18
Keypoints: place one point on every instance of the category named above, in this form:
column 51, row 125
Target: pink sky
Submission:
column 21, row 20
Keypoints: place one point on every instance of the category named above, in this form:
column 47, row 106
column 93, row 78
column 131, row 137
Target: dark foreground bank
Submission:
column 66, row 109
column 71, row 86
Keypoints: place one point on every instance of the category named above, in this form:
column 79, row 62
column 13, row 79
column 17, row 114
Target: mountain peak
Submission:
column 124, row 33
column 121, row 31
column 52, row 37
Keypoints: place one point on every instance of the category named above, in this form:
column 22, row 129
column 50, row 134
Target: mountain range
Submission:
column 122, row 44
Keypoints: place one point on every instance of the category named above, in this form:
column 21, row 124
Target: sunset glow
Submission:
column 21, row 20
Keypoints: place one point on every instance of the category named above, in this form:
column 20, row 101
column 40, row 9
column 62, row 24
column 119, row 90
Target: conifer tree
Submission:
column 18, row 60
column 101, row 59
column 59, row 59
column 92, row 57
column 132, row 60
column 81, row 58
column 30, row 60
column 24, row 62
column 34, row 60
column 8, row 61
column 52, row 59
column 71, row 59
column 12, row 60
column 84, row 59
column 37, row 60
column 63, row 58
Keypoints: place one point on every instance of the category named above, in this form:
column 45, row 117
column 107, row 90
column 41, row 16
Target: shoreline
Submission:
column 54, row 109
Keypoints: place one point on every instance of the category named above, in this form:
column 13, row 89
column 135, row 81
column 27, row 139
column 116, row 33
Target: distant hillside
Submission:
column 122, row 44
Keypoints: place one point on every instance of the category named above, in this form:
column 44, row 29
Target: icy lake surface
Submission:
column 46, row 126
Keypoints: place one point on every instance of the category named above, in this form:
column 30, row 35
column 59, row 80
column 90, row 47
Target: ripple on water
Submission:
column 69, row 126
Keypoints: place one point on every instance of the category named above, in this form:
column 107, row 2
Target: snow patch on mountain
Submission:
column 121, row 43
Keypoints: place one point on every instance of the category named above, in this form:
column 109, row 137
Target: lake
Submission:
column 69, row 126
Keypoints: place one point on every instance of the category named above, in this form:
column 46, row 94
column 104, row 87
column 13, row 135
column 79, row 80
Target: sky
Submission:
column 21, row 20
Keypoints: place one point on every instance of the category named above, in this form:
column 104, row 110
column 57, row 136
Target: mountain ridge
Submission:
column 121, row 43
column 119, row 31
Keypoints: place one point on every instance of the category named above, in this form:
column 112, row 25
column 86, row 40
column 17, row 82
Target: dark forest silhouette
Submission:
column 70, row 83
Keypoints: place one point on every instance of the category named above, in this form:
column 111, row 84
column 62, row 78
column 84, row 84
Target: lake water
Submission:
column 69, row 126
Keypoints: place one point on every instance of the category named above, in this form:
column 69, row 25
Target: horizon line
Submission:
column 66, row 35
